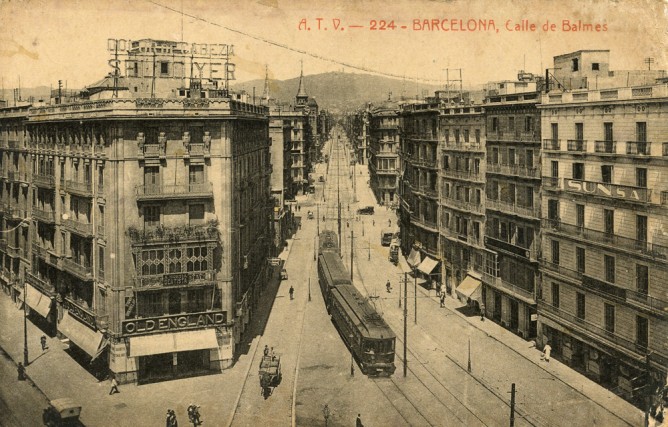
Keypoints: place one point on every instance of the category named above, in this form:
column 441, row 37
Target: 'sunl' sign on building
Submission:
column 173, row 323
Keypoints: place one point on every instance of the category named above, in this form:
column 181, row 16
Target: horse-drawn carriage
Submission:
column 270, row 374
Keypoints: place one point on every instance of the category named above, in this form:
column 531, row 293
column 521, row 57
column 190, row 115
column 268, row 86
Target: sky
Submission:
column 43, row 41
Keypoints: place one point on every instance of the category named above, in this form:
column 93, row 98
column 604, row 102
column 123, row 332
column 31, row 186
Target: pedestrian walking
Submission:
column 546, row 352
column 292, row 292
column 388, row 286
column 358, row 423
column 21, row 370
column 42, row 341
column 373, row 222
column 389, row 223
column 114, row 385
column 482, row 312
column 171, row 419
column 442, row 300
column 266, row 350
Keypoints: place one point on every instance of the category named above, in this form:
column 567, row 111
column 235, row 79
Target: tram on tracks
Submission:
column 364, row 331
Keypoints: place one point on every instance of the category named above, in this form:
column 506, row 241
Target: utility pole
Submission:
column 648, row 390
column 415, row 276
column 512, row 405
column 25, row 325
column 405, row 317
column 309, row 289
column 352, row 240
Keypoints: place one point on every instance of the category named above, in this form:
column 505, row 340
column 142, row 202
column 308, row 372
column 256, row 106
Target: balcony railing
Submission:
column 38, row 282
column 188, row 191
column 161, row 234
column 44, row 215
column 16, row 212
column 462, row 205
column 84, row 272
column 15, row 251
column 603, row 334
column 530, row 253
column 152, row 150
column 462, row 174
column 427, row 163
column 608, row 147
column 610, row 239
column 424, row 222
column 638, row 148
column 80, row 188
column 577, row 145
column 551, row 182
column 499, row 283
column 560, row 269
column 85, row 229
column 198, row 149
column 551, row 144
column 16, row 176
column 44, row 180
column 514, row 170
column 530, row 211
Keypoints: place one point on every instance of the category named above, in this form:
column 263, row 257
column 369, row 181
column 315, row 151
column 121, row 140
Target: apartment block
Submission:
column 384, row 150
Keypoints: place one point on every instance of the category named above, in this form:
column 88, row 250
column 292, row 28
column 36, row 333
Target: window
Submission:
column 578, row 171
column 152, row 262
column 641, row 132
column 609, row 264
column 511, row 123
column 164, row 68
column 553, row 210
column 196, row 214
column 457, row 136
column 594, row 66
column 580, row 305
column 152, row 179
column 575, row 64
column 495, row 124
column 641, row 177
column 477, row 136
column 555, row 252
column 607, row 132
column 580, row 259
column 642, row 331
column 606, row 174
column 495, row 155
column 196, row 175
column 528, row 124
column 555, row 168
column 641, row 229
column 580, row 215
column 511, row 157
column 642, row 278
column 197, row 259
column 466, row 135
column 151, row 216
column 609, row 317
column 529, row 160
column 100, row 261
column 555, row 131
column 476, row 230
column 555, row 295
column 609, row 221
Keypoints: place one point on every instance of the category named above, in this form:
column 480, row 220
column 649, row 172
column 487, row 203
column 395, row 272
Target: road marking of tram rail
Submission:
column 299, row 356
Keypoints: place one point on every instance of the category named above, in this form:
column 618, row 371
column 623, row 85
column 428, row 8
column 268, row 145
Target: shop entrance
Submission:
column 514, row 315
column 192, row 362
column 155, row 368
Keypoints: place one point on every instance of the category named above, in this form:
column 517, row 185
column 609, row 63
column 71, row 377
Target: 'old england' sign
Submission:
column 173, row 323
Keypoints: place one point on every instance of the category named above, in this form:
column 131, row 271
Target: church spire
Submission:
column 302, row 97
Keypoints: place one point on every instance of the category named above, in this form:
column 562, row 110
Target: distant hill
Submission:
column 337, row 91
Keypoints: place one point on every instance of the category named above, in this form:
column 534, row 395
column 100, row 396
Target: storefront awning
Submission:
column 469, row 288
column 173, row 342
column 413, row 258
column 81, row 335
column 427, row 265
column 38, row 301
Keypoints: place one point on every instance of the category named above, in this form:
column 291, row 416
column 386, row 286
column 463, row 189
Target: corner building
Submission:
column 150, row 207
column 603, row 306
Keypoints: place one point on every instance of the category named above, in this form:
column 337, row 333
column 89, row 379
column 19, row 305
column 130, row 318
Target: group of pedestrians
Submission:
column 193, row 416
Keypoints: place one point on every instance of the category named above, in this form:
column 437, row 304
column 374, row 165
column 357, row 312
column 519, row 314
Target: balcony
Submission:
column 424, row 223
column 515, row 290
column 199, row 149
column 603, row 189
column 609, row 239
column 463, row 206
column 551, row 144
column 176, row 279
column 39, row 283
column 79, row 188
column 84, row 272
column 513, row 208
column 638, row 148
column 529, row 253
column 562, row 271
column 15, row 251
column 44, row 215
column 152, row 150
column 587, row 328
column 514, row 170
column 183, row 191
column 468, row 175
column 426, row 163
column 161, row 234
column 452, row 145
column 605, row 147
column 16, row 213
column 46, row 181
column 15, row 176
column 577, row 145
column 82, row 228
column 425, row 191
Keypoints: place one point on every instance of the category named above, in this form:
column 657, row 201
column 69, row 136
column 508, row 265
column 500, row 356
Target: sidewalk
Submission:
column 496, row 332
